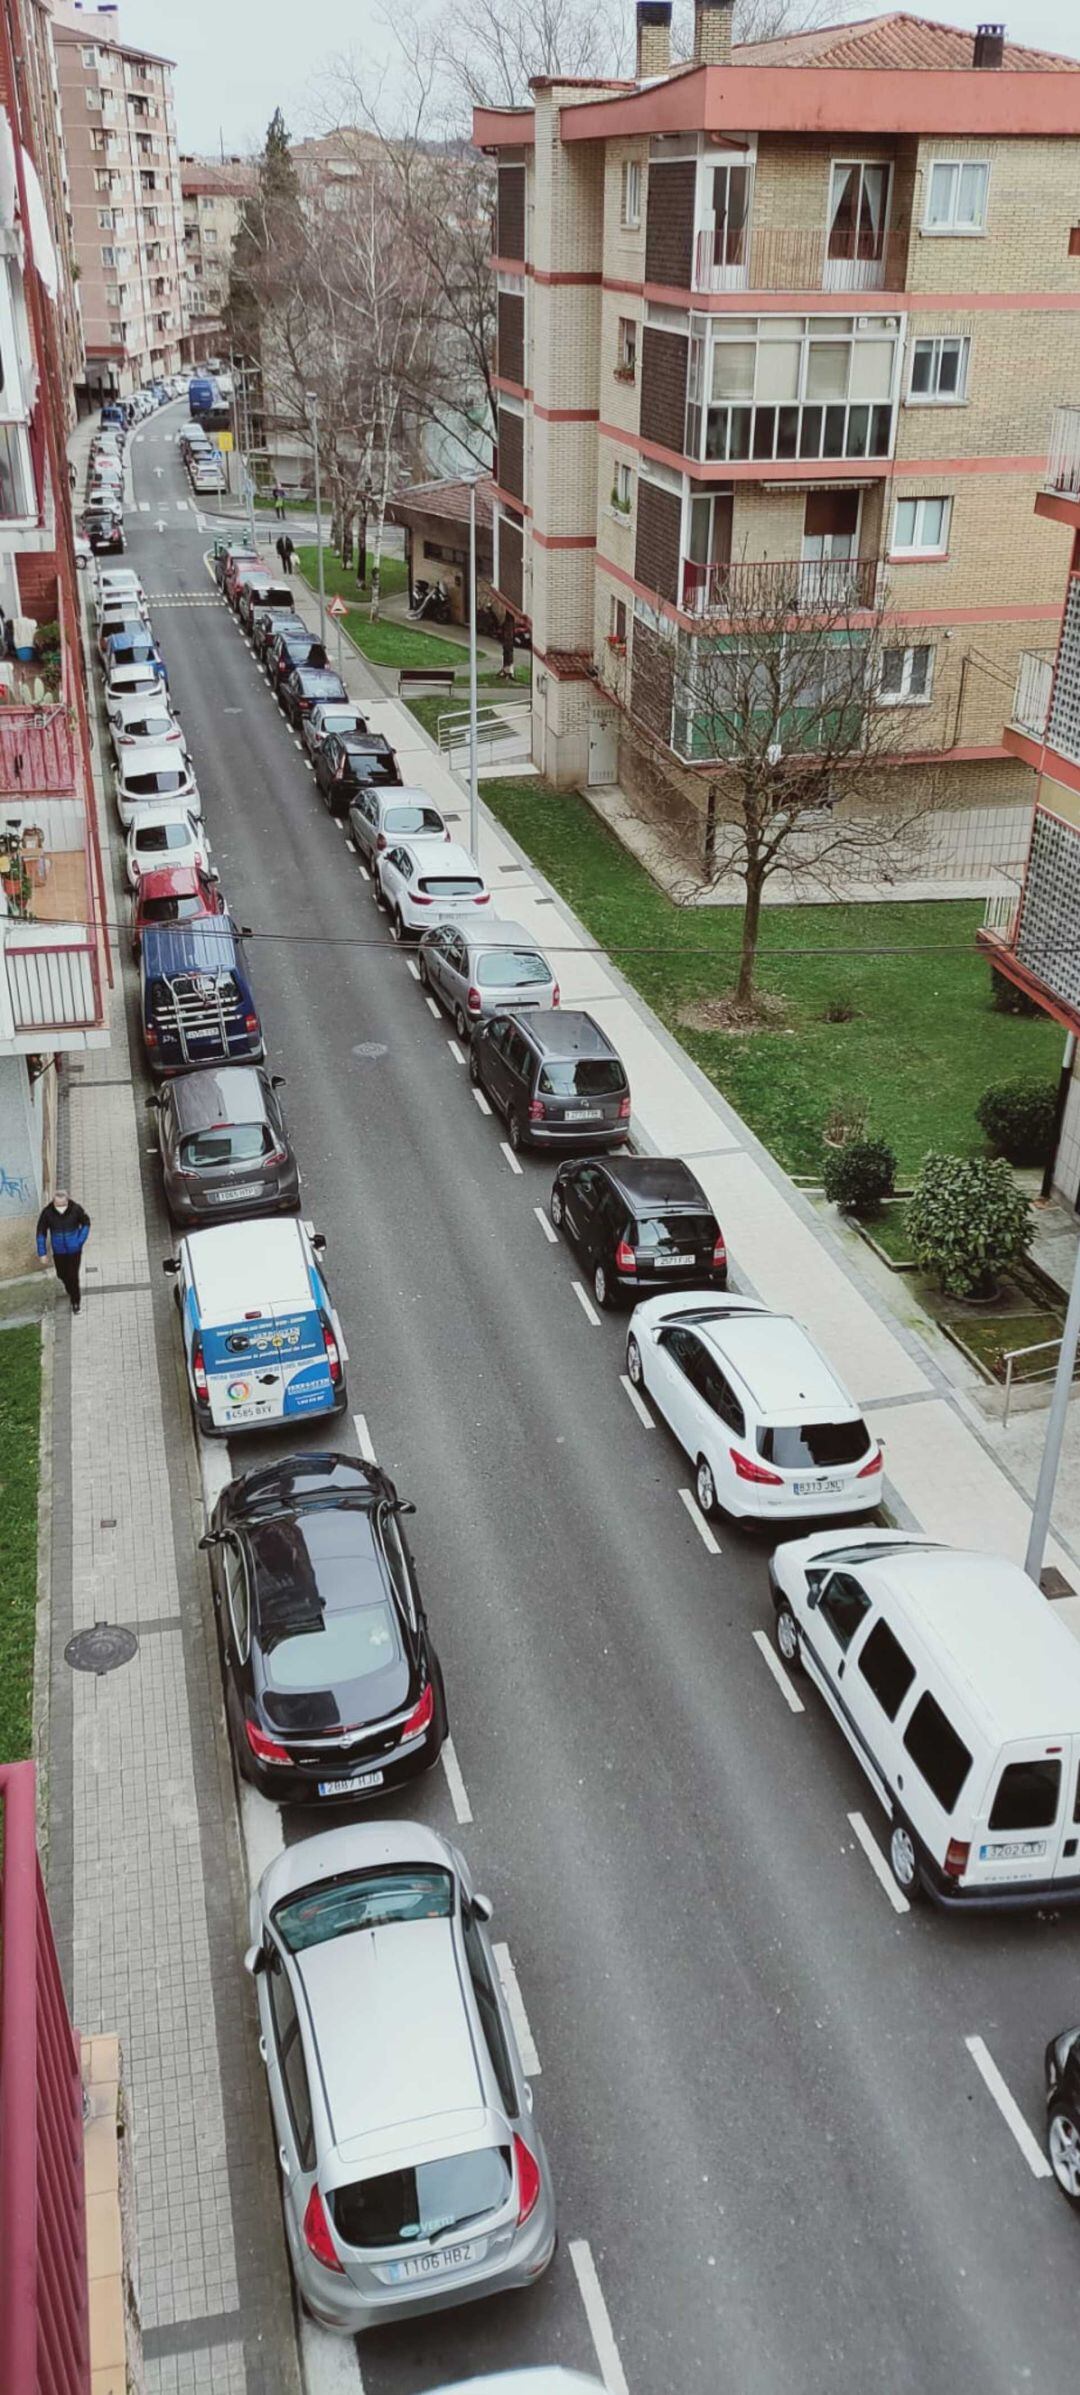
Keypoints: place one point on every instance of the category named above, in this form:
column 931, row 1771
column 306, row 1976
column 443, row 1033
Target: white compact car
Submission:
column 772, row 1433
column 131, row 681
column 434, row 881
column 147, row 776
column 143, row 721
column 165, row 836
column 115, row 582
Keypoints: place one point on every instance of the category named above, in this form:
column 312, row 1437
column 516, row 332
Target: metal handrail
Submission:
column 492, row 728
column 1013, row 1356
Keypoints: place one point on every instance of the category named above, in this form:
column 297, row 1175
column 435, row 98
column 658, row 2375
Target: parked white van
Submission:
column 959, row 1691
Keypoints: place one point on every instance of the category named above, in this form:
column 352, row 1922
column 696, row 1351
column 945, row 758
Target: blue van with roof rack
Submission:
column 197, row 1006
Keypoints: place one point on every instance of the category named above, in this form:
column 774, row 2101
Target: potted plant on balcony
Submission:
column 625, row 372
column 620, row 507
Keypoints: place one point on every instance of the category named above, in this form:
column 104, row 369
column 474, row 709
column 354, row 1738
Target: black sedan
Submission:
column 105, row 533
column 333, row 1690
column 347, row 760
column 306, row 687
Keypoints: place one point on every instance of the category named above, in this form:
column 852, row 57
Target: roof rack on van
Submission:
column 199, row 1007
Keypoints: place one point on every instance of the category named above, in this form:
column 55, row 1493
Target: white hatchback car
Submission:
column 434, row 881
column 115, row 582
column 772, row 1432
column 146, row 776
column 144, row 721
column 165, row 836
column 131, row 681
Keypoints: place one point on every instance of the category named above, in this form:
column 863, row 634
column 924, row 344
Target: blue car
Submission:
column 196, row 1001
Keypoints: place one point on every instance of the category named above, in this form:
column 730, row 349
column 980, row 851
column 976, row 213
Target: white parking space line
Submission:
column 878, row 1864
column 548, row 1228
column 458, row 1797
column 481, row 1101
column 328, row 2363
column 586, row 1304
column 296, row 743
column 699, row 1521
column 144, row 507
column 367, row 877
column 596, row 2313
column 182, row 504
column 637, row 1401
column 772, row 1663
column 337, row 820
column 410, row 961
column 350, row 844
column 363, row 1438
column 509, row 1155
column 457, row 1053
column 215, row 1471
column 530, row 2060
column 434, row 1008
column 1009, row 2109
column 260, row 1821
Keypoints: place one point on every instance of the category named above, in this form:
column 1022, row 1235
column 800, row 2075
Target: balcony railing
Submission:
column 1031, row 698
column 51, row 976
column 1063, row 460
column 791, row 258
column 37, row 751
column 780, row 586
column 1000, row 912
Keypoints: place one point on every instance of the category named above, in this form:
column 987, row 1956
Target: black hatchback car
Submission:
column 307, row 686
column 555, row 1076
column 105, row 533
column 224, row 1148
column 288, row 649
column 333, row 1689
column 267, row 622
column 350, row 761
column 1063, row 2111
column 640, row 1224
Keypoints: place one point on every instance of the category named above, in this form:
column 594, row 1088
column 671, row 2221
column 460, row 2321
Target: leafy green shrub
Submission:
column 859, row 1175
column 1018, row 1119
column 1006, row 999
column 967, row 1222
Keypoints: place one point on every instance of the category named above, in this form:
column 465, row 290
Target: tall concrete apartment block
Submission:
column 124, row 174
column 213, row 194
column 802, row 302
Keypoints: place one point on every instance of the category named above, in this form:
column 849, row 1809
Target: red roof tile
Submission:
column 895, row 41
column 447, row 499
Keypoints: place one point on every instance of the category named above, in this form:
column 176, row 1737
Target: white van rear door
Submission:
column 1026, row 1821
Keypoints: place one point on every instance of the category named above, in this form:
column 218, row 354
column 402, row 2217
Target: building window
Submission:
column 906, row 677
column 858, row 207
column 621, row 489
column 921, row 528
column 939, row 370
column 631, row 191
column 781, row 388
column 93, row 96
column 108, row 255
column 627, row 347
column 956, row 199
column 89, row 58
column 617, row 621
column 105, row 217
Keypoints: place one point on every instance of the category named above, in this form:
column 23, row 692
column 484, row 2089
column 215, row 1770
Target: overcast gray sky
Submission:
column 237, row 60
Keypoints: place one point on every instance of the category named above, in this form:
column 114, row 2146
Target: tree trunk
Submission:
column 754, row 880
column 346, row 541
column 361, row 548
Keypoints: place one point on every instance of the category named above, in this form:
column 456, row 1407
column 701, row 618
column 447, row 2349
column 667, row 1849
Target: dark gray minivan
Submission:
column 555, row 1076
column 224, row 1147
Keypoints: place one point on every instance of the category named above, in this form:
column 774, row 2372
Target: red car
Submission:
column 239, row 571
column 175, row 894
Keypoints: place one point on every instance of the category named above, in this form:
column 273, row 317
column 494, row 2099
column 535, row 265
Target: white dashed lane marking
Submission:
column 596, row 2313
column 481, row 1101
column 410, row 961
column 548, row 1228
column 508, row 1152
column 455, row 1783
column 638, row 1402
column 773, row 1664
column 1009, row 2108
column 586, row 1304
column 699, row 1521
column 364, row 1438
column 433, row 1008
column 878, row 1864
column 455, row 1051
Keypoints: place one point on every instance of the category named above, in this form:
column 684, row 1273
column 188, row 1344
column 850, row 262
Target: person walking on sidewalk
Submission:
column 279, row 502
column 67, row 1227
column 287, row 547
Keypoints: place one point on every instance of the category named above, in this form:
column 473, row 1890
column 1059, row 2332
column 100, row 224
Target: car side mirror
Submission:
column 404, row 1505
column 210, row 1538
column 255, row 1961
column 318, row 1241
column 153, row 1104
column 245, row 929
column 481, row 1908
column 212, row 873
column 171, row 1264
column 277, row 1080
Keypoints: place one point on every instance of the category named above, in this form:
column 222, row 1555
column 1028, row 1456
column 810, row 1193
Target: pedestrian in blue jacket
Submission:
column 66, row 1227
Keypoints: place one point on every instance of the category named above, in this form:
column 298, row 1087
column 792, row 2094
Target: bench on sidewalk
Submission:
column 437, row 677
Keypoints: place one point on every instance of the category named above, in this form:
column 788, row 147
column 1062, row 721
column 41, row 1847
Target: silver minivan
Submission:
column 414, row 2174
column 475, row 972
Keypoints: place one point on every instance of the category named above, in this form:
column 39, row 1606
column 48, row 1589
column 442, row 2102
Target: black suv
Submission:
column 555, row 1076
column 640, row 1224
column 346, row 762
column 224, row 1148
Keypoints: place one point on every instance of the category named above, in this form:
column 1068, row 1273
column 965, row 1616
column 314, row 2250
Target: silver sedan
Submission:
column 476, row 973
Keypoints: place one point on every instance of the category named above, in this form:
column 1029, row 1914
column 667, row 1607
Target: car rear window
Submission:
column 171, row 910
column 404, row 820
column 450, row 885
column 156, row 839
column 511, row 969
column 226, row 1143
column 1027, row 1796
column 674, row 1230
column 583, row 1077
column 821, row 1445
column 148, row 727
column 343, row 1646
column 162, row 784
column 318, row 685
column 363, row 1900
column 402, row 2205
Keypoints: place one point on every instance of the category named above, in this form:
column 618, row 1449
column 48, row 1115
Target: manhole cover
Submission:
column 369, row 1047
column 100, row 1649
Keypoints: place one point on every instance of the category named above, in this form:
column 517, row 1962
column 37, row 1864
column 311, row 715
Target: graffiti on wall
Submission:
column 15, row 1188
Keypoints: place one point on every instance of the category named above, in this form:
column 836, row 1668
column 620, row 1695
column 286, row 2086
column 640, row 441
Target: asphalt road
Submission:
column 756, row 2092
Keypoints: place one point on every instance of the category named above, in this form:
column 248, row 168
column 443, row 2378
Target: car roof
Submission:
column 152, row 758
column 164, row 810
column 450, row 857
column 562, row 1031
column 242, row 1265
column 402, row 1984
column 168, row 881
column 777, row 1362
column 136, row 699
column 206, row 945
column 656, row 1181
column 231, row 1094
column 995, row 1633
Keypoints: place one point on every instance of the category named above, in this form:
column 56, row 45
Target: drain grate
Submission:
column 101, row 1649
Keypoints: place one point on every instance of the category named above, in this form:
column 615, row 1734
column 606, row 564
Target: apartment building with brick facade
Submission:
column 793, row 314
column 213, row 192
column 123, row 167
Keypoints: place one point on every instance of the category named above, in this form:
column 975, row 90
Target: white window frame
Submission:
column 905, row 696
column 617, row 606
column 935, row 341
column 920, row 549
column 624, row 486
column 630, row 200
column 957, row 228
column 628, row 349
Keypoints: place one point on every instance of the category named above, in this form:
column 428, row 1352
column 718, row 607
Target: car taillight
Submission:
column 956, row 1857
column 719, row 1254
column 419, row 899
column 874, row 1465
column 251, row 1022
column 747, row 1469
column 332, row 1356
column 625, row 1257
column 473, row 1001
column 150, row 1036
column 421, row 1714
column 528, row 2178
column 555, row 995
column 267, row 1750
column 317, row 2236
column 536, row 1110
column 381, row 842
column 484, row 899
column 198, row 1365
column 624, row 1108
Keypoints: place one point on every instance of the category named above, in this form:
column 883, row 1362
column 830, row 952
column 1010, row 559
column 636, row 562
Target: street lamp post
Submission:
column 474, row 791
column 313, row 403
column 246, row 436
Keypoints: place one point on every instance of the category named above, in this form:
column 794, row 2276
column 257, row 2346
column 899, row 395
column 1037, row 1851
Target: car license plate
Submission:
column 352, row 1787
column 1015, row 1850
column 426, row 2266
column 818, row 1488
column 255, row 1408
column 228, row 1197
column 584, row 1114
column 669, row 1263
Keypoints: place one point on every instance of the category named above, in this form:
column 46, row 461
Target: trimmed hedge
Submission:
column 967, row 1222
column 1018, row 1119
column 859, row 1175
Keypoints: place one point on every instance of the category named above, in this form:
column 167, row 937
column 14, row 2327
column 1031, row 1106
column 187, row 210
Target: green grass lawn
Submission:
column 923, row 1043
column 341, row 580
column 888, row 1230
column 20, row 1399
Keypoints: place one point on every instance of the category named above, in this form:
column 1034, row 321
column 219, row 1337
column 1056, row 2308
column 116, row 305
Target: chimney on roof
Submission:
column 989, row 50
column 653, row 38
column 712, row 32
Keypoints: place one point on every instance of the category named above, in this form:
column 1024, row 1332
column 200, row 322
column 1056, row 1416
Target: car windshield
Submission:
column 583, row 1077
column 226, row 1143
column 161, row 784
column 510, row 969
column 403, row 821
column 333, row 1647
column 821, row 1444
column 450, row 885
column 171, row 910
column 156, row 839
column 363, row 1900
column 674, row 1230
column 402, row 2205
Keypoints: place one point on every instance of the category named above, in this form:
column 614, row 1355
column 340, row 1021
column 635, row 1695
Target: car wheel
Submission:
column 633, row 1363
column 474, row 1068
column 377, row 892
column 705, row 1487
column 601, row 1288
column 787, row 1638
column 397, row 927
column 514, row 1132
column 903, row 1860
column 460, row 1024
column 555, row 1207
column 1063, row 2147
